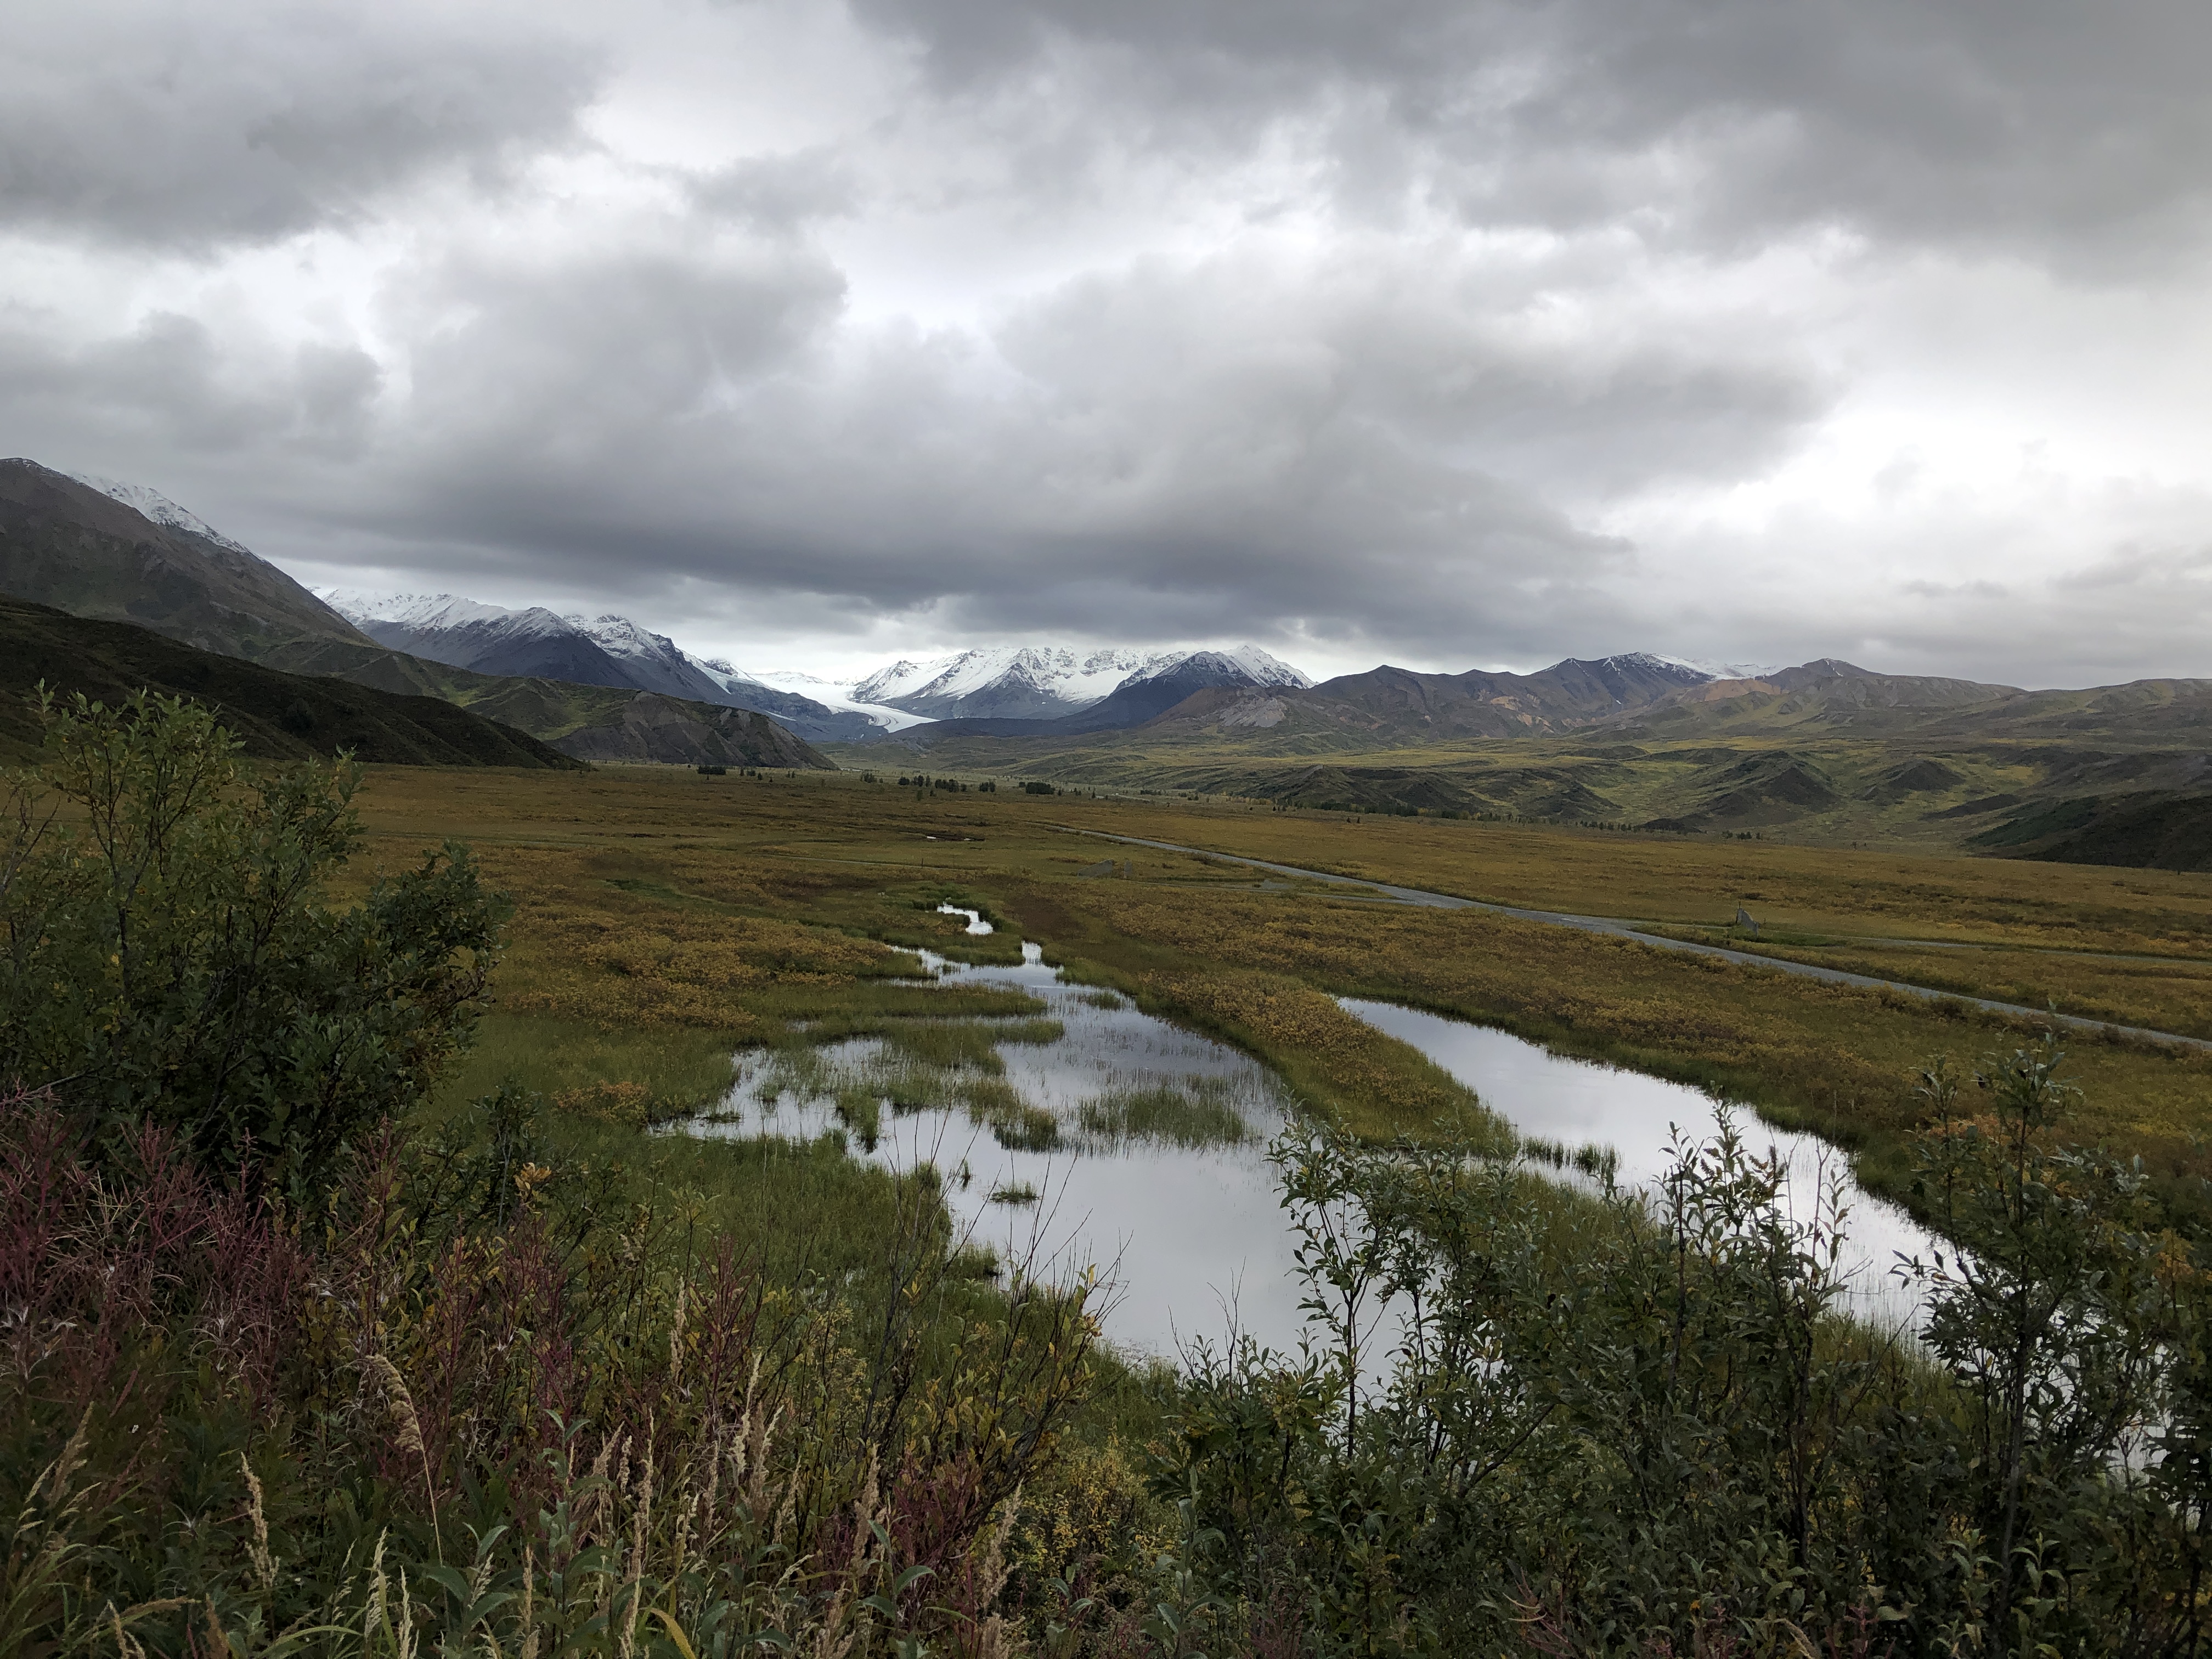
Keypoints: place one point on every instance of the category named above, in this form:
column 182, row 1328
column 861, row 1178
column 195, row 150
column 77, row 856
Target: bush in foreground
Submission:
column 168, row 952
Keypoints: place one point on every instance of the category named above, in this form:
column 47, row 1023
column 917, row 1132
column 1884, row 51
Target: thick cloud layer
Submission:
column 1447, row 333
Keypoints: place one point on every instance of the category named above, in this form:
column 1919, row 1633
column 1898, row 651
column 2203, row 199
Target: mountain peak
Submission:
column 1249, row 661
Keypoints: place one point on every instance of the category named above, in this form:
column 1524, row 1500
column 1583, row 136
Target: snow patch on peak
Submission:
column 1249, row 660
column 1651, row 662
column 160, row 508
column 1725, row 670
column 423, row 611
column 1075, row 679
column 903, row 678
column 618, row 636
column 1267, row 670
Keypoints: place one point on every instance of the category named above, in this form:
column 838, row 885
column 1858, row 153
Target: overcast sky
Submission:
column 1442, row 333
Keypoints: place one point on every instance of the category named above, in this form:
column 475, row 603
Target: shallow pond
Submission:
column 1192, row 1235
column 1573, row 1103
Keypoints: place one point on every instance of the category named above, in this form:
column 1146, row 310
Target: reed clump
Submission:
column 494, row 1404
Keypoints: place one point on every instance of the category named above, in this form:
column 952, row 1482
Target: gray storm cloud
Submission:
column 1452, row 332
column 2028, row 123
column 198, row 128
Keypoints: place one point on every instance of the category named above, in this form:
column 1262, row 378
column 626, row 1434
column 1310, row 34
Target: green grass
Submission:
column 955, row 1044
column 683, row 1069
column 1196, row 1113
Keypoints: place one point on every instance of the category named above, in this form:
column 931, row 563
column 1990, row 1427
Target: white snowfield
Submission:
column 160, row 508
column 1719, row 670
column 828, row 693
column 1052, row 670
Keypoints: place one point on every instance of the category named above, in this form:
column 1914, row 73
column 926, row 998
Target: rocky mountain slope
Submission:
column 123, row 553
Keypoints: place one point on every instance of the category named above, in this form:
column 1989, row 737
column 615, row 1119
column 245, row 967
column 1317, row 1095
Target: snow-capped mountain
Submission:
column 604, row 650
column 1045, row 682
column 160, row 508
column 1249, row 661
column 491, row 638
column 1016, row 682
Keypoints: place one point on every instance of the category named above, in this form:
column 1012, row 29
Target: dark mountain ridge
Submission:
column 66, row 544
column 69, row 549
column 592, row 722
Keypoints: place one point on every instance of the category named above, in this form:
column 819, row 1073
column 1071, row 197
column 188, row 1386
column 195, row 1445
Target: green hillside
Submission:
column 1824, row 755
column 277, row 715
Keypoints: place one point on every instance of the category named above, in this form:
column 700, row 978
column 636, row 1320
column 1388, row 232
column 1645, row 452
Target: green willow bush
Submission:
column 1660, row 1434
column 167, row 953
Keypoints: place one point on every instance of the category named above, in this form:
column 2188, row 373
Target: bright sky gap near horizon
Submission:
column 1449, row 335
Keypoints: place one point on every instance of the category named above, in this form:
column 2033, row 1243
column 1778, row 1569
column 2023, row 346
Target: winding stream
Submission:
column 1191, row 1230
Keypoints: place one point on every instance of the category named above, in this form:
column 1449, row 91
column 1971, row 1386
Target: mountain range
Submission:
column 86, row 552
column 1017, row 683
column 1826, row 752
column 1823, row 750
column 608, row 650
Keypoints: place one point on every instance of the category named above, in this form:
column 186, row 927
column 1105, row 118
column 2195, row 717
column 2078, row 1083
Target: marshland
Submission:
column 643, row 1210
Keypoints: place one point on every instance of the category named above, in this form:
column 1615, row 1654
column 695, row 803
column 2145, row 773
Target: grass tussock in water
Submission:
column 631, row 1076
column 952, row 1044
column 1198, row 1113
column 1598, row 1162
column 1021, row 1128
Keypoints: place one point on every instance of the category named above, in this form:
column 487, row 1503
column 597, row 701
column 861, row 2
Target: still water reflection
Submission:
column 1189, row 1224
column 1575, row 1102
